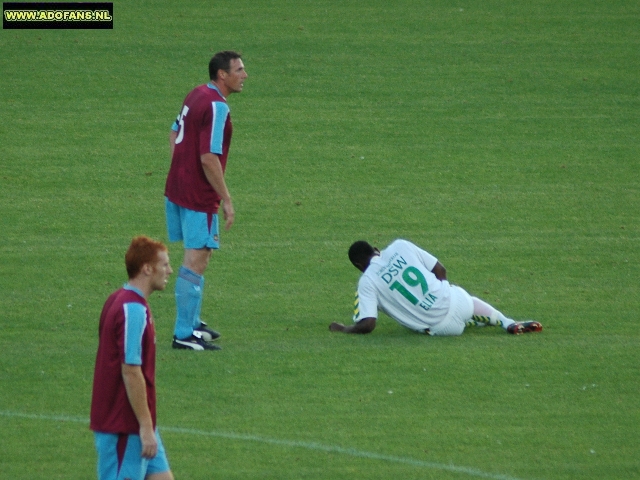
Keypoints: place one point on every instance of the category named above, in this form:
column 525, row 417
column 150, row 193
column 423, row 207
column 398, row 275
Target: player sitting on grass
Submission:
column 410, row 285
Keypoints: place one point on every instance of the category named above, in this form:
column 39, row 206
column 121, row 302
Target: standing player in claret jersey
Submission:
column 195, row 189
column 410, row 285
column 123, row 403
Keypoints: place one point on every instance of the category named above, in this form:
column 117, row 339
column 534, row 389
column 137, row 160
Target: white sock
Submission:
column 485, row 313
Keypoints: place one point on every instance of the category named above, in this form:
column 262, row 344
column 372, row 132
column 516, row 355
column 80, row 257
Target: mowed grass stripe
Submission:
column 285, row 443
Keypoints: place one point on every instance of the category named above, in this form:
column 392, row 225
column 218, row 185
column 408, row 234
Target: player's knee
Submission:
column 197, row 260
column 168, row 475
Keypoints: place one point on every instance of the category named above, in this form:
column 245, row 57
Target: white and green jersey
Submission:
column 400, row 283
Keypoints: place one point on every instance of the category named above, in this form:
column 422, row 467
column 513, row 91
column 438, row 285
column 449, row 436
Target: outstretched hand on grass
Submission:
column 336, row 327
column 366, row 325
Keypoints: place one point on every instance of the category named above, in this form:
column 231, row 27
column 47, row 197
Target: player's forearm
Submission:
column 172, row 141
column 137, row 394
column 439, row 271
column 215, row 175
column 355, row 329
column 366, row 325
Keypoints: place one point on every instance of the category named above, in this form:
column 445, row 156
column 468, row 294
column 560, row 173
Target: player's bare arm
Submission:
column 366, row 325
column 172, row 140
column 215, row 176
column 439, row 271
column 137, row 394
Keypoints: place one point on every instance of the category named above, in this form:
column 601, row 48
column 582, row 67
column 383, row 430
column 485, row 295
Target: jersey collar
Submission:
column 213, row 87
column 133, row 289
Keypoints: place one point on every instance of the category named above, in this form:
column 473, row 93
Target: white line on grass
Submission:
column 288, row 443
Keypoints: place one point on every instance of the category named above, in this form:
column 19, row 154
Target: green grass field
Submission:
column 502, row 136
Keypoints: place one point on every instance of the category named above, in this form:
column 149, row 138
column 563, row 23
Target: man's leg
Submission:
column 160, row 476
column 189, row 286
column 483, row 313
column 199, row 233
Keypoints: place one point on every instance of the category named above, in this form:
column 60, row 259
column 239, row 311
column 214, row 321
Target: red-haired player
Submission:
column 123, row 404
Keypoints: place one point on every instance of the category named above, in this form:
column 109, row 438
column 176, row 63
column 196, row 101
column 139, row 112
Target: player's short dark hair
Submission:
column 141, row 251
column 360, row 252
column 221, row 61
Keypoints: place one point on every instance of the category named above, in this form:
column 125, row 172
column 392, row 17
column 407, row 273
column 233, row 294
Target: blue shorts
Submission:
column 119, row 457
column 196, row 229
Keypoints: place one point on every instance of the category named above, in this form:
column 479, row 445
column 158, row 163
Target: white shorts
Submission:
column 460, row 311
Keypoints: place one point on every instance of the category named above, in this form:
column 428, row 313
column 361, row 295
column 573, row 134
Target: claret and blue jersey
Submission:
column 127, row 336
column 202, row 126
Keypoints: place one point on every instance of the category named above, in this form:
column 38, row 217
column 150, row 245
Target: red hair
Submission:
column 141, row 251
